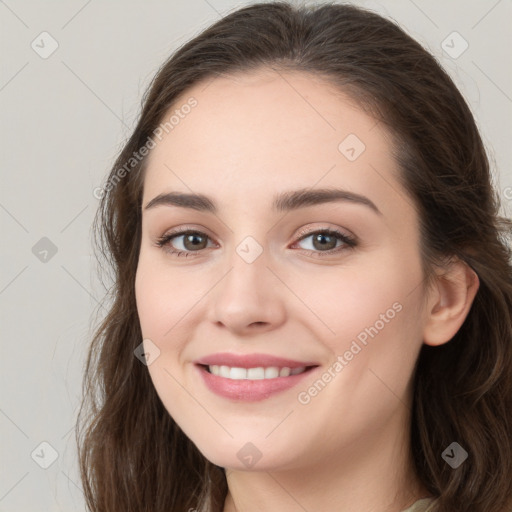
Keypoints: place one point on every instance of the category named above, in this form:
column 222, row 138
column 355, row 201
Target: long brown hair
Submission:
column 133, row 456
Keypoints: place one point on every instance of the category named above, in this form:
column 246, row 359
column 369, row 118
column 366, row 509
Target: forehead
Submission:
column 252, row 130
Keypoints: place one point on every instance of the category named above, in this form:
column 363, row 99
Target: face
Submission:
column 283, row 326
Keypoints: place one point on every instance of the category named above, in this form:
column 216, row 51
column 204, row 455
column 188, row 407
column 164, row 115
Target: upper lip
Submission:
column 251, row 361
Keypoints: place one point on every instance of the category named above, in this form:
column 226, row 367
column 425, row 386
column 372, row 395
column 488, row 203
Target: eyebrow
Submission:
column 283, row 202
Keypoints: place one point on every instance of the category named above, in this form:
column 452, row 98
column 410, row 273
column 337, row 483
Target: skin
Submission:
column 252, row 136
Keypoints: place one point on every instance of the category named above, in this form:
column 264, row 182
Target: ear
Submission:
column 450, row 302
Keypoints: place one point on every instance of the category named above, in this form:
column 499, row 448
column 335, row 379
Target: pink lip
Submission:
column 251, row 361
column 249, row 390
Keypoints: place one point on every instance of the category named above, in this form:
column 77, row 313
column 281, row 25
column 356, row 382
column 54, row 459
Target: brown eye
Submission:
column 326, row 241
column 184, row 242
column 194, row 241
column 323, row 241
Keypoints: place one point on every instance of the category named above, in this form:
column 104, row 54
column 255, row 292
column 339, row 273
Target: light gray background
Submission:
column 63, row 121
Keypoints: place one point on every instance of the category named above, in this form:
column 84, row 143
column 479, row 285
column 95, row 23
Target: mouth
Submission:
column 251, row 377
column 255, row 373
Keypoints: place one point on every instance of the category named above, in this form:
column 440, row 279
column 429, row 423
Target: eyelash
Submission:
column 349, row 242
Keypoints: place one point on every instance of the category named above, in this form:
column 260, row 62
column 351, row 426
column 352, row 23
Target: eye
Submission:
column 323, row 241
column 191, row 241
column 326, row 241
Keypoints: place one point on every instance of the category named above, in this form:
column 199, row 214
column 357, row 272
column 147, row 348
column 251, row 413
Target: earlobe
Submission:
column 449, row 306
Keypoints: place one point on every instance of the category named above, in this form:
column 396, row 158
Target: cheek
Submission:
column 152, row 297
column 164, row 299
column 377, row 339
column 376, row 317
column 347, row 303
column 164, row 296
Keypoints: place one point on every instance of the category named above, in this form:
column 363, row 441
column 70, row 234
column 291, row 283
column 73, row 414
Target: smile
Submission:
column 258, row 373
column 251, row 377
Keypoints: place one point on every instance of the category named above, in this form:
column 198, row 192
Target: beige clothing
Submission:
column 423, row 505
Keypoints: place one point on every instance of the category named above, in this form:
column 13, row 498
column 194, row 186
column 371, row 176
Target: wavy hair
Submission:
column 133, row 457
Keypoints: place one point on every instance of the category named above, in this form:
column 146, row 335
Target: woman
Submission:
column 312, row 291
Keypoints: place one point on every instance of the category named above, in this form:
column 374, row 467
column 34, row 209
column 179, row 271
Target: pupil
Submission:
column 320, row 238
column 193, row 239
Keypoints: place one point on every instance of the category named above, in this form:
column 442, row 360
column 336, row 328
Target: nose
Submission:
column 248, row 298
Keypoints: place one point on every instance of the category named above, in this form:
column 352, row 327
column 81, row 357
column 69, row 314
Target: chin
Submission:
column 248, row 456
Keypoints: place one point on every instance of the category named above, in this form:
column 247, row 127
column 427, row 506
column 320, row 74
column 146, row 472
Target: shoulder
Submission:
column 423, row 505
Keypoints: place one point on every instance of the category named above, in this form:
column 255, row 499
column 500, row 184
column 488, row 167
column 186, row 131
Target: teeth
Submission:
column 237, row 373
column 254, row 373
column 271, row 373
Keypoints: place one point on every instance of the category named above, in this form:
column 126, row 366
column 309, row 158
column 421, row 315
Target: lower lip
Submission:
column 249, row 390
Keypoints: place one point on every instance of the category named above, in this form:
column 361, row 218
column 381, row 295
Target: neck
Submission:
column 373, row 474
